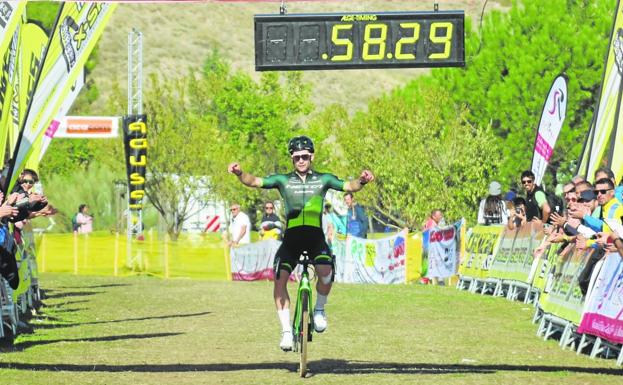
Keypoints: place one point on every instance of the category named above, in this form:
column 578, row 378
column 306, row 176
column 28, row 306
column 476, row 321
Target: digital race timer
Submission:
column 359, row 40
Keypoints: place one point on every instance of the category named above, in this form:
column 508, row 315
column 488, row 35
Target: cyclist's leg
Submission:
column 323, row 261
column 283, row 268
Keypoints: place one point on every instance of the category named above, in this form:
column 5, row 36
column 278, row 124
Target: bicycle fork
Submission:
column 303, row 291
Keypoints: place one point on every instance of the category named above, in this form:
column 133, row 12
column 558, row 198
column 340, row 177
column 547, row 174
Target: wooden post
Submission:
column 75, row 253
column 226, row 253
column 116, row 260
column 166, row 255
column 42, row 252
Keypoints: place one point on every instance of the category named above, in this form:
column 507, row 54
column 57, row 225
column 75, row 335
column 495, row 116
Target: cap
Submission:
column 495, row 188
column 510, row 196
column 587, row 196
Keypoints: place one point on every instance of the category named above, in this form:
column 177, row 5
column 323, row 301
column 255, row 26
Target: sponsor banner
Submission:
column 443, row 251
column 254, row 261
column 78, row 27
column 10, row 18
column 605, row 119
column 562, row 295
column 481, row 246
column 552, row 119
column 545, row 260
column 135, row 140
column 603, row 311
column 88, row 127
column 514, row 259
column 359, row 260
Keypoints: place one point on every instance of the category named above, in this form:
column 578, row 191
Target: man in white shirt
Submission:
column 240, row 227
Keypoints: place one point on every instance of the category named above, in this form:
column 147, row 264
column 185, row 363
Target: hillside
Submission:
column 177, row 37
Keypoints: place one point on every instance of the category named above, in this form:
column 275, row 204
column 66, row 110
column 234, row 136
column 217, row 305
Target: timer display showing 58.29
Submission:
column 361, row 40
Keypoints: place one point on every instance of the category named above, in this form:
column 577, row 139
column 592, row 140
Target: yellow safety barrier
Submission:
column 194, row 256
column 203, row 256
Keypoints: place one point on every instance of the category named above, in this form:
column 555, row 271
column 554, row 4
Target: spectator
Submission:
column 356, row 219
column 271, row 226
column 536, row 200
column 240, row 227
column 517, row 216
column 28, row 200
column 327, row 224
column 84, row 221
column 492, row 209
column 338, row 221
column 434, row 220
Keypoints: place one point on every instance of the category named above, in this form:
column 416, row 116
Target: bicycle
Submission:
column 303, row 323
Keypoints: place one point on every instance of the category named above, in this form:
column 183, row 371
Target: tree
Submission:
column 423, row 151
column 511, row 64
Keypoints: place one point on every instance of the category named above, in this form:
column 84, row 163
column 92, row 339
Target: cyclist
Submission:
column 303, row 191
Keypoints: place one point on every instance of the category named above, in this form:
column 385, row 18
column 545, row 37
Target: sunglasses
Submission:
column 603, row 192
column 526, row 181
column 269, row 207
column 304, row 157
column 28, row 181
column 234, row 209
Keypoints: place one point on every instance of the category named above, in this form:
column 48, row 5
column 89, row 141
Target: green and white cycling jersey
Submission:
column 304, row 199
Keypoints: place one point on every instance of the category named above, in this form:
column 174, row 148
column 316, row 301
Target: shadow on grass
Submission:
column 326, row 366
column 59, row 305
column 70, row 325
column 73, row 294
column 95, row 286
column 28, row 344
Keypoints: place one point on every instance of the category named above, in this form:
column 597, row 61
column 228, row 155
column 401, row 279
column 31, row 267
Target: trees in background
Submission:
column 512, row 62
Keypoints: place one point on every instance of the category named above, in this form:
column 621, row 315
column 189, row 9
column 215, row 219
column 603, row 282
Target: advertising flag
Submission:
column 552, row 119
column 600, row 141
column 7, row 80
column 10, row 17
column 76, row 32
column 32, row 44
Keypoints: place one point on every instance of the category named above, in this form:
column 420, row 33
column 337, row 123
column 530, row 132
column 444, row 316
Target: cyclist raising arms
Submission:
column 303, row 191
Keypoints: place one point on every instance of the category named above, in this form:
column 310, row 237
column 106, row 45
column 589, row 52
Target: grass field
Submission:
column 177, row 37
column 141, row 330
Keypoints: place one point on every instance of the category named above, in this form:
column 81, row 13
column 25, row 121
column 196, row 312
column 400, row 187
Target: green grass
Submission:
column 141, row 330
column 177, row 37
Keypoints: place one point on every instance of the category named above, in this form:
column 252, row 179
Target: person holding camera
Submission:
column 517, row 216
column 28, row 200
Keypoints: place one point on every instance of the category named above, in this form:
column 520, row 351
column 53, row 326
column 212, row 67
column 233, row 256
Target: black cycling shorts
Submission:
column 299, row 239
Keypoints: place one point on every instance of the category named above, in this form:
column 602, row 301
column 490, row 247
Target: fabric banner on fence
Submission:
column 480, row 249
column 359, row 260
column 562, row 296
column 442, row 250
column 546, row 262
column 603, row 312
column 514, row 259
column 253, row 261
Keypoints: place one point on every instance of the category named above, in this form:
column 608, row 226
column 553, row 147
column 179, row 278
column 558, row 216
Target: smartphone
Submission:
column 37, row 188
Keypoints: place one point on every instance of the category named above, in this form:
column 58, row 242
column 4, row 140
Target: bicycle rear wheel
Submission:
column 304, row 331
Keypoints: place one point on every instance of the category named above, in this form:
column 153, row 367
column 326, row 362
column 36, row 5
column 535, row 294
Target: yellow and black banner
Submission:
column 135, row 141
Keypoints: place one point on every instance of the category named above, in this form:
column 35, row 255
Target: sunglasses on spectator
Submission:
column 603, row 192
column 28, row 181
column 304, row 157
column 269, row 207
column 526, row 181
column 235, row 209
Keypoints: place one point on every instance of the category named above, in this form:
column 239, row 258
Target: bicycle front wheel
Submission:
column 304, row 331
